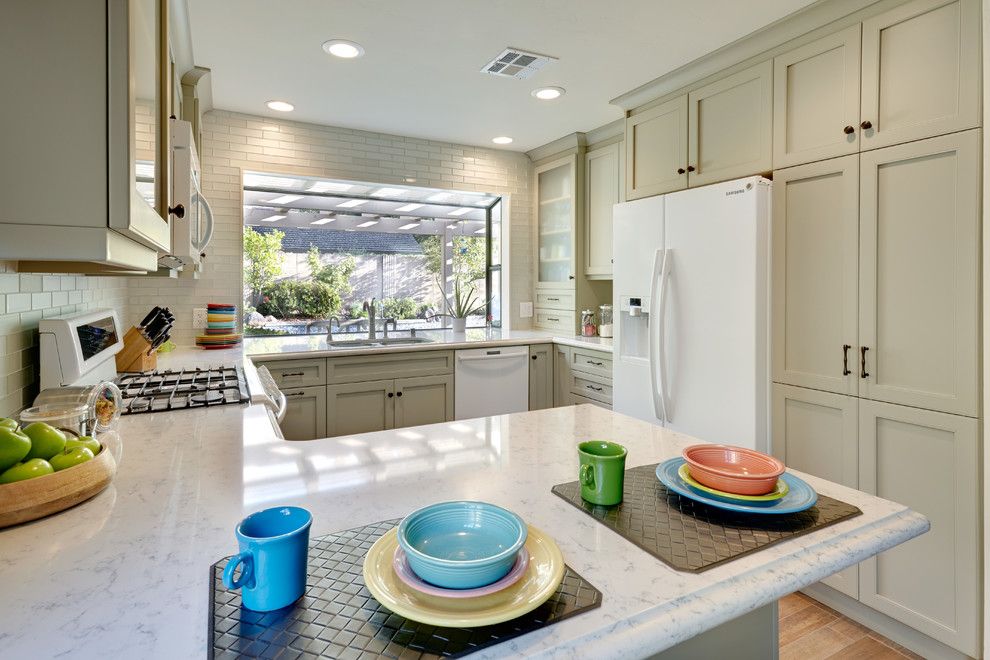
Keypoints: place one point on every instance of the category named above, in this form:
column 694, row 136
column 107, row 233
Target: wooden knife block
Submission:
column 134, row 355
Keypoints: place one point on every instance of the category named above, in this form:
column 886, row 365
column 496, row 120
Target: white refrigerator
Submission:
column 692, row 306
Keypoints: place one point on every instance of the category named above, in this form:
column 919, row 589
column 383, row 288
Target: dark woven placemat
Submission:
column 338, row 618
column 691, row 536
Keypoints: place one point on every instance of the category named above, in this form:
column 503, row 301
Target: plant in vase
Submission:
column 462, row 304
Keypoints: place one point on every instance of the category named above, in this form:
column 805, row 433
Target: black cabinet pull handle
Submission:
column 681, row 170
column 390, row 395
column 597, row 364
column 553, row 319
column 866, row 125
column 862, row 362
column 178, row 210
column 295, row 394
column 570, row 277
column 293, row 373
column 554, row 299
column 845, row 359
column 690, row 168
column 848, row 130
column 592, row 387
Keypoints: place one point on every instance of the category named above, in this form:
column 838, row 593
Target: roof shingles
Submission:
column 298, row 239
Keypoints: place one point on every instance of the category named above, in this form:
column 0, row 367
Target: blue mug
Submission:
column 274, row 547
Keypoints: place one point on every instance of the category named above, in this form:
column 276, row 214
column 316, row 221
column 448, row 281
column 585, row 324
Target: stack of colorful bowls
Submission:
column 463, row 564
column 733, row 470
column 221, row 326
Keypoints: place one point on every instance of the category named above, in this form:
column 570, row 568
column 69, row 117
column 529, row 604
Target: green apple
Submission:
column 70, row 457
column 29, row 469
column 14, row 446
column 87, row 441
column 46, row 440
column 8, row 423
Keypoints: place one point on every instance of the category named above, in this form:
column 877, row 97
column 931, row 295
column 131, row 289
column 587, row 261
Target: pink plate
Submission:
column 401, row 567
column 734, row 470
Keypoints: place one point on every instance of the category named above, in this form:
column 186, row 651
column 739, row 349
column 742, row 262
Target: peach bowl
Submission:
column 733, row 469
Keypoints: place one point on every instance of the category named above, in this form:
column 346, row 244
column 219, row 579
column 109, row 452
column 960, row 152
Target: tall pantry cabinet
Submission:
column 876, row 294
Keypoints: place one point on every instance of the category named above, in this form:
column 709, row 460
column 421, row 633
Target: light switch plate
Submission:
column 525, row 310
column 199, row 317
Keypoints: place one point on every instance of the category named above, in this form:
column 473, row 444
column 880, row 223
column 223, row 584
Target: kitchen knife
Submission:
column 150, row 317
column 162, row 337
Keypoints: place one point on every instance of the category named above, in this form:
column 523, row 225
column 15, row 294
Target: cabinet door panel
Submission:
column 561, row 376
column 305, row 413
column 360, row 407
column 540, row 376
column 656, row 148
column 426, row 400
column 815, row 97
column 929, row 462
column 815, row 262
column 816, row 432
column 601, row 190
column 921, row 71
column 556, row 223
column 920, row 273
column 731, row 126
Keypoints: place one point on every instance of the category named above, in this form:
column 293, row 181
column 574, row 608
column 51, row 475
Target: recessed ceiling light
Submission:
column 460, row 211
column 328, row 186
column 273, row 218
column 502, row 139
column 281, row 106
column 343, row 48
column 284, row 199
column 368, row 223
column 411, row 225
column 351, row 203
column 409, row 180
column 548, row 93
column 387, row 192
column 323, row 221
column 408, row 207
column 439, row 197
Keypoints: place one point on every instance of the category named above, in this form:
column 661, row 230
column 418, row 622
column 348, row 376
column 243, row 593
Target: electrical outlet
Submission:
column 199, row 317
column 525, row 310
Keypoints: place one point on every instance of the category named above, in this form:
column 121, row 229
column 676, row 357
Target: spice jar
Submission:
column 605, row 325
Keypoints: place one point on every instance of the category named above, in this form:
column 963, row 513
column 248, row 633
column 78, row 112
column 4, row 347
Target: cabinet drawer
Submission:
column 552, row 319
column 593, row 387
column 555, row 300
column 396, row 365
column 593, row 362
column 297, row 373
column 577, row 400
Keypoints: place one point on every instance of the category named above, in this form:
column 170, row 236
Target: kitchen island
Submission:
column 126, row 573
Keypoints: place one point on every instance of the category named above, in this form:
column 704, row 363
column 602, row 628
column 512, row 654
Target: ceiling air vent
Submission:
column 515, row 63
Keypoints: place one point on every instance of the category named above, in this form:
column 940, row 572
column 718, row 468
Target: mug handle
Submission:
column 587, row 475
column 247, row 572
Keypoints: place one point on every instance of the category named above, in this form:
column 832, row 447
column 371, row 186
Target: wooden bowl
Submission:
column 35, row 498
column 735, row 470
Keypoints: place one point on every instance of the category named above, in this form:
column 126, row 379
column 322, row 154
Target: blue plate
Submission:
column 801, row 495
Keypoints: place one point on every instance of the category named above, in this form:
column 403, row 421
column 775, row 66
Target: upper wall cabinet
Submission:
column 921, row 71
column 816, row 100
column 602, row 179
column 94, row 130
column 731, row 127
column 556, row 223
column 656, row 149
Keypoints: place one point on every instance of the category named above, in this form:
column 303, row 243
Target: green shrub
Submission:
column 399, row 308
column 293, row 298
column 356, row 311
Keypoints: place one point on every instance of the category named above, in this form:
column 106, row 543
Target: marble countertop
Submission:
column 125, row 574
column 316, row 345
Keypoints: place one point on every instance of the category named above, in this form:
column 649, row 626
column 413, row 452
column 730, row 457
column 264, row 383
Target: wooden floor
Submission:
column 812, row 631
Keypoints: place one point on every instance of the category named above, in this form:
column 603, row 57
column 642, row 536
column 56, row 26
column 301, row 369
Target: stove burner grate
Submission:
column 188, row 388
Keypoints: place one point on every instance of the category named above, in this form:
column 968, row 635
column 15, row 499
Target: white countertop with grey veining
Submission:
column 298, row 346
column 125, row 574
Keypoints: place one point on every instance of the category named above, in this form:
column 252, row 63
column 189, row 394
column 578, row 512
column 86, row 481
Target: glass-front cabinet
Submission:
column 556, row 218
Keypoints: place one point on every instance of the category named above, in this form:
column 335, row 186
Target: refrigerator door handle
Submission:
column 658, row 298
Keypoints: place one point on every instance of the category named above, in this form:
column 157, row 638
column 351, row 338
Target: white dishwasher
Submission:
column 491, row 381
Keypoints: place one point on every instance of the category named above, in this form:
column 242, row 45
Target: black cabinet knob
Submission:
column 866, row 125
column 690, row 168
column 848, row 130
column 532, row 357
column 398, row 394
column 178, row 210
column 681, row 170
column 390, row 395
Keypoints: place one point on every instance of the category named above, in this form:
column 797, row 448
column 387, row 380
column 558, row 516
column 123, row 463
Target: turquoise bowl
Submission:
column 461, row 545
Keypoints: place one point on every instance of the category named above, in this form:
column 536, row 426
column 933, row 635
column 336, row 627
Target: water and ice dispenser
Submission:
column 634, row 314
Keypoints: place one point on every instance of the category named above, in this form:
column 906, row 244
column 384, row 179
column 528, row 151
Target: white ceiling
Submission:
column 420, row 75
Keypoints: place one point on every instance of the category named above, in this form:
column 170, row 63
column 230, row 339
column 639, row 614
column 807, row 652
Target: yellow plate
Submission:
column 778, row 492
column 537, row 585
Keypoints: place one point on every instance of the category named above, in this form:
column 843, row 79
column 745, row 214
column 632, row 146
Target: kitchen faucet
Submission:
column 330, row 327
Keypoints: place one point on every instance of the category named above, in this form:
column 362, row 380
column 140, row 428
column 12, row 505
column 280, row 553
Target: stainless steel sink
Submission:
column 365, row 343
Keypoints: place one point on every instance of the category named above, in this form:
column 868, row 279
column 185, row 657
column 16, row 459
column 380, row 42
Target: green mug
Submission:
column 603, row 466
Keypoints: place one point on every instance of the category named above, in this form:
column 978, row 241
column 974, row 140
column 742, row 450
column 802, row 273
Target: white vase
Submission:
column 459, row 324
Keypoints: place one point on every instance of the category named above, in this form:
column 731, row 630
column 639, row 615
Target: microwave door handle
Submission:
column 201, row 243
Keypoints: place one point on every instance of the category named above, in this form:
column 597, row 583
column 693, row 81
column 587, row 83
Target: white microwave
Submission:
column 193, row 229
column 79, row 349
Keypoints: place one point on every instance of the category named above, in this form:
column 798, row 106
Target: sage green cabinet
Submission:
column 423, row 400
column 561, row 375
column 818, row 433
column 305, row 413
column 929, row 462
column 540, row 376
column 816, row 100
column 921, row 71
column 602, row 180
column 656, row 149
column 360, row 407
